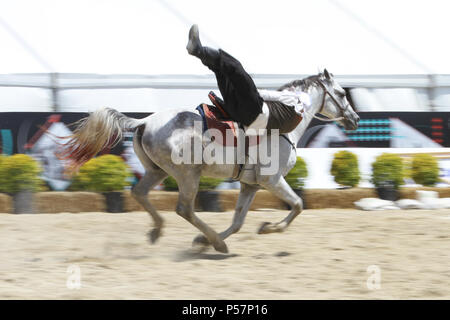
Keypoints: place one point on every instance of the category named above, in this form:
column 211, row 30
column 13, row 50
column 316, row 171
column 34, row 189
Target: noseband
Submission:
column 333, row 98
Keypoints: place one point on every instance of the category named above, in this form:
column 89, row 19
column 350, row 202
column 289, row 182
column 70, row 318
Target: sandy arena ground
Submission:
column 323, row 255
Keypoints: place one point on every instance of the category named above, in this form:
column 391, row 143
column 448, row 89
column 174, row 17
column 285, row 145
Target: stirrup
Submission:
column 218, row 103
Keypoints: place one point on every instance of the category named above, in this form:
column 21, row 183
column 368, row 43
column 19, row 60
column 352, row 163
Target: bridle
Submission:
column 333, row 98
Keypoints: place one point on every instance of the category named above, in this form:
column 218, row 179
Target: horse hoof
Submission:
column 221, row 247
column 268, row 227
column 200, row 240
column 263, row 228
column 154, row 235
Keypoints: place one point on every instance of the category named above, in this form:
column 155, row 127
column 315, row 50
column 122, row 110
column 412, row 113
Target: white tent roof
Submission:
column 293, row 37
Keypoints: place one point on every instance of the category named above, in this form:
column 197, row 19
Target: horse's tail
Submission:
column 102, row 129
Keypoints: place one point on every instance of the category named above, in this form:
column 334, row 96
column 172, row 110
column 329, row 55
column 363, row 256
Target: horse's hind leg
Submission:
column 283, row 191
column 188, row 187
column 153, row 176
column 140, row 191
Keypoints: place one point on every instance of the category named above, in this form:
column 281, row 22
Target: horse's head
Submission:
column 335, row 104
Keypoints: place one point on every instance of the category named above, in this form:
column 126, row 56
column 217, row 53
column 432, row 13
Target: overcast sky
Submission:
column 268, row 36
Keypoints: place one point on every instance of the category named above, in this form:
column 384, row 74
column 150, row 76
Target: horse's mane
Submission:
column 304, row 84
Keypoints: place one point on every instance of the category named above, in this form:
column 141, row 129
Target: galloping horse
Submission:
column 160, row 135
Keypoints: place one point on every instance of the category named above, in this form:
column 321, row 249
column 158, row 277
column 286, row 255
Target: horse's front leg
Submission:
column 245, row 199
column 283, row 191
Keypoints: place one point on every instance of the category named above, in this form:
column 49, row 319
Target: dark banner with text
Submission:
column 25, row 132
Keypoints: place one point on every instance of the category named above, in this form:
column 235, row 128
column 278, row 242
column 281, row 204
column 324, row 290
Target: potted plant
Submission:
column 296, row 179
column 387, row 175
column 345, row 170
column 107, row 174
column 170, row 184
column 425, row 170
column 207, row 198
column 19, row 177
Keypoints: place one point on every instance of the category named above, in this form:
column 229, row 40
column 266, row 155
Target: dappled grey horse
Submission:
column 159, row 136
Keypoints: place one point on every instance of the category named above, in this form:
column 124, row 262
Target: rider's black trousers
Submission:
column 241, row 98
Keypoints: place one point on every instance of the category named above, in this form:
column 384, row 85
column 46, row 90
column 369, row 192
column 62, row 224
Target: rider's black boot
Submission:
column 207, row 55
column 194, row 45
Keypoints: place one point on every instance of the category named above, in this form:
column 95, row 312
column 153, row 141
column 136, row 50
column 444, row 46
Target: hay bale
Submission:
column 166, row 200
column 5, row 203
column 161, row 200
column 228, row 199
column 74, row 202
column 263, row 199
column 336, row 198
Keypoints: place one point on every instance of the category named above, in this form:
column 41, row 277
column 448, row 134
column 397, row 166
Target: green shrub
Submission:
column 345, row 169
column 170, row 184
column 296, row 177
column 19, row 172
column 208, row 183
column 425, row 170
column 387, row 167
column 103, row 174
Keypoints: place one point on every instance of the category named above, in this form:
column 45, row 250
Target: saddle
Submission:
column 215, row 117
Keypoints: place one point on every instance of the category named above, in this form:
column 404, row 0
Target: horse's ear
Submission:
column 327, row 74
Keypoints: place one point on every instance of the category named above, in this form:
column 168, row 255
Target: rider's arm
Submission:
column 290, row 98
column 270, row 95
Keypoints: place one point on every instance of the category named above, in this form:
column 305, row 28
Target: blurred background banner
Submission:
column 20, row 132
column 405, row 131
